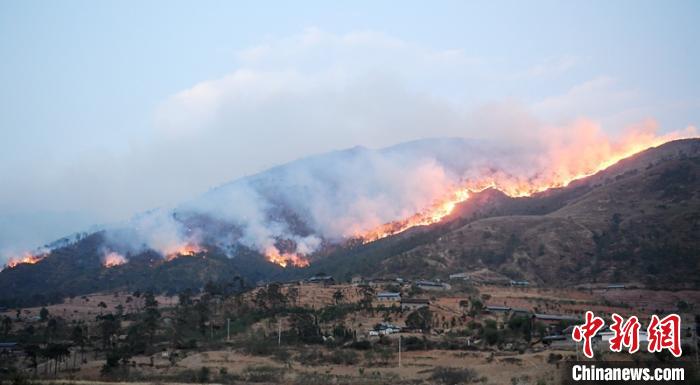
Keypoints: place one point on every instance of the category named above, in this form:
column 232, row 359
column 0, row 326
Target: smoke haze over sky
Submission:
column 111, row 108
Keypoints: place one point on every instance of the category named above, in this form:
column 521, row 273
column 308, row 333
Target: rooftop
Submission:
column 553, row 317
column 320, row 278
column 498, row 308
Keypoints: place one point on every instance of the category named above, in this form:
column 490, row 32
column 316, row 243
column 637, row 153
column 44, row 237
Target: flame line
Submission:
column 441, row 209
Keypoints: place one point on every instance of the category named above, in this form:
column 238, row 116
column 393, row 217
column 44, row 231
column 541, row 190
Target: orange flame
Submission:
column 590, row 152
column 285, row 259
column 27, row 258
column 188, row 249
column 113, row 259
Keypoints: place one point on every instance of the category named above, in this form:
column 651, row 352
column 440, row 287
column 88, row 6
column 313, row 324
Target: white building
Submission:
column 389, row 297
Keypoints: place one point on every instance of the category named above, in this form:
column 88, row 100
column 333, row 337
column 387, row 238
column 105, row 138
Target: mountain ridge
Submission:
column 586, row 231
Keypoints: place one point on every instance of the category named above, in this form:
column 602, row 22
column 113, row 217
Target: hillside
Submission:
column 77, row 269
column 636, row 221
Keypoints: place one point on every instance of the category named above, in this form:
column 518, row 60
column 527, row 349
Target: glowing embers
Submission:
column 188, row 249
column 27, row 258
column 113, row 259
column 273, row 255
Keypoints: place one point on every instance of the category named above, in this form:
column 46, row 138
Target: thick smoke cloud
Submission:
column 311, row 93
column 346, row 194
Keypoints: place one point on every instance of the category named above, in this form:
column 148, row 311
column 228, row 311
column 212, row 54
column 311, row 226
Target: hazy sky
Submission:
column 111, row 108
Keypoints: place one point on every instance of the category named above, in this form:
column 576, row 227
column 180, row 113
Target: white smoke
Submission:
column 338, row 195
column 343, row 194
column 296, row 207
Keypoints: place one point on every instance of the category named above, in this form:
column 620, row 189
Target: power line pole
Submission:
column 399, row 351
column 228, row 329
column 578, row 357
column 279, row 332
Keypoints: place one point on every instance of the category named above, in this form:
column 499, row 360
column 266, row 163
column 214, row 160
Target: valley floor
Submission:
column 455, row 346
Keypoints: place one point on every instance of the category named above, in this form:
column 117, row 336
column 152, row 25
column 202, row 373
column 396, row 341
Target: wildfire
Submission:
column 285, row 259
column 183, row 250
column 434, row 214
column 113, row 259
column 589, row 153
column 563, row 156
column 27, row 258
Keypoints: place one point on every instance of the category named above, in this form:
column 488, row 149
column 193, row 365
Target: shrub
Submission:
column 257, row 344
column 203, row 375
column 420, row 319
column 262, row 374
column 282, row 355
column 361, row 345
column 490, row 332
column 414, row 343
column 310, row 357
column 491, row 336
column 554, row 357
column 453, row 376
column 313, row 379
column 344, row 357
column 521, row 325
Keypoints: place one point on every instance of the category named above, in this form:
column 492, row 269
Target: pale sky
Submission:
column 114, row 107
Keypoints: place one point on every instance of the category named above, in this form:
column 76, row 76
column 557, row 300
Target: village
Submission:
column 367, row 330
